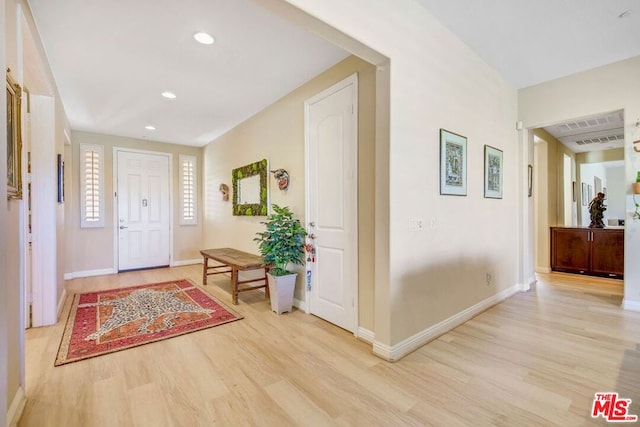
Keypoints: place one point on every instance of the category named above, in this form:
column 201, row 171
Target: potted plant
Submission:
column 636, row 185
column 281, row 244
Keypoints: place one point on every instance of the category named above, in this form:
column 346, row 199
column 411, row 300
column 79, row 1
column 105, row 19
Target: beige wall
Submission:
column 20, row 63
column 549, row 192
column 93, row 248
column 277, row 134
column 4, row 224
column 436, row 82
column 609, row 88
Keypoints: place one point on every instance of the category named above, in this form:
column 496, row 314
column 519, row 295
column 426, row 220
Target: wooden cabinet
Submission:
column 592, row 251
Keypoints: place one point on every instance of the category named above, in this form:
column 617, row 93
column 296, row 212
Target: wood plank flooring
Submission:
column 534, row 360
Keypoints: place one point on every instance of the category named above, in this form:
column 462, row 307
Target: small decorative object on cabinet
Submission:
column 280, row 244
column 594, row 252
column 636, row 185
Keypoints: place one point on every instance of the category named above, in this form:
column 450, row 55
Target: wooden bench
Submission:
column 233, row 261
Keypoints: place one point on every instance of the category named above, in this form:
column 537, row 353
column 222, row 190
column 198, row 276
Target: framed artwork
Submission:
column 453, row 163
column 60, row 179
column 493, row 173
column 250, row 189
column 584, row 194
column 14, row 140
column 530, row 180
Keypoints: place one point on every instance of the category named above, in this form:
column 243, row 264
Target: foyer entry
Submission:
column 143, row 210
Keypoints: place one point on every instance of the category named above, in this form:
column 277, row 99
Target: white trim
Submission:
column 398, row 351
column 351, row 80
column 630, row 305
column 115, row 200
column 300, row 305
column 88, row 273
column 365, row 335
column 193, row 160
column 186, row 262
column 545, row 270
column 61, row 302
column 16, row 408
column 99, row 149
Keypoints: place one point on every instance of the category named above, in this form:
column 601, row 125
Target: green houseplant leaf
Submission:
column 282, row 242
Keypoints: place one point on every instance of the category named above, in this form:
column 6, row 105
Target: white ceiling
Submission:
column 112, row 59
column 594, row 133
column 532, row 41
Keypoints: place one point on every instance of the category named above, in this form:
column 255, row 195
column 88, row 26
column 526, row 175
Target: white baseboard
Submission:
column 398, row 351
column 545, row 270
column 365, row 335
column 187, row 262
column 88, row 273
column 300, row 305
column 17, row 406
column 630, row 305
column 63, row 298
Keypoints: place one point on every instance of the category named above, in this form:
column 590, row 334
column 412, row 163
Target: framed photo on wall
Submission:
column 453, row 163
column 60, row 179
column 493, row 173
column 14, row 140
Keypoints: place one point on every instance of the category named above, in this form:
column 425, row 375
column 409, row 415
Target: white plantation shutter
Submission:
column 91, row 186
column 188, row 190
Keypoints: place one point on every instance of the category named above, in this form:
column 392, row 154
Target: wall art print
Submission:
column 453, row 163
column 493, row 172
column 14, row 140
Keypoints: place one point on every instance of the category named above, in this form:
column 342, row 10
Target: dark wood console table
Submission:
column 233, row 261
column 592, row 251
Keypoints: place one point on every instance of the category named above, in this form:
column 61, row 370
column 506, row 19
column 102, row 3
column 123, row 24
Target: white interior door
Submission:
column 143, row 210
column 332, row 216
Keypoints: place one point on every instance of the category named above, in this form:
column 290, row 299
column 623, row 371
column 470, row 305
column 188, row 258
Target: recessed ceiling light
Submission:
column 169, row 95
column 150, row 127
column 625, row 13
column 203, row 38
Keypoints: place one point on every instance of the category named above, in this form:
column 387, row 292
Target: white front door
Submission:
column 332, row 215
column 143, row 210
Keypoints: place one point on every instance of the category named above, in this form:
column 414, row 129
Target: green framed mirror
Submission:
column 250, row 189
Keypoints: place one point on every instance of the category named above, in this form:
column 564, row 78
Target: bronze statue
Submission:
column 596, row 210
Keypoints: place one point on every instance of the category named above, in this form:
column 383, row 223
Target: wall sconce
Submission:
column 282, row 178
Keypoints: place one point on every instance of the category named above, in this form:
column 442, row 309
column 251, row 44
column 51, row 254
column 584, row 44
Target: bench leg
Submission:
column 204, row 272
column 234, row 285
column 266, row 283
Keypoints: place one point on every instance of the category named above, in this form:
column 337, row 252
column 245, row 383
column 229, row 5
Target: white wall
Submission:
column 616, row 186
column 609, row 88
column 436, row 82
column 4, row 303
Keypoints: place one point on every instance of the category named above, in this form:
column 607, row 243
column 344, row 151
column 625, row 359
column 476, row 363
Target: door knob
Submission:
column 312, row 236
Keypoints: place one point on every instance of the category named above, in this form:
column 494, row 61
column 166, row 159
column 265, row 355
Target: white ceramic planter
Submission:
column 281, row 289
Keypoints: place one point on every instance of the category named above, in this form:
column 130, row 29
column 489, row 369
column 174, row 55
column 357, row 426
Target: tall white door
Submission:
column 143, row 210
column 332, row 215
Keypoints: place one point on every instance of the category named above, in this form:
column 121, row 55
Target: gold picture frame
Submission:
column 14, row 139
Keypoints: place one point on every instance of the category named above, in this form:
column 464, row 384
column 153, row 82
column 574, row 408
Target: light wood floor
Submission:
column 536, row 359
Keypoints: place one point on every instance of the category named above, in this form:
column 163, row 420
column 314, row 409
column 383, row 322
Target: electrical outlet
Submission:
column 419, row 224
column 489, row 278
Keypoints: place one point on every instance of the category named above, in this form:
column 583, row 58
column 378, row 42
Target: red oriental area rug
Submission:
column 108, row 321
